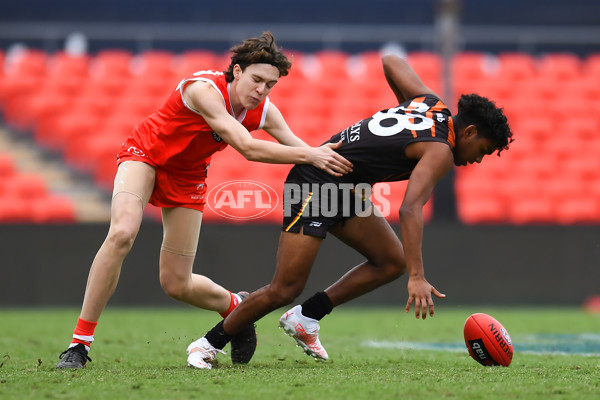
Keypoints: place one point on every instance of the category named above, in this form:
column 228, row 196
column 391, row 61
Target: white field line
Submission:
column 461, row 348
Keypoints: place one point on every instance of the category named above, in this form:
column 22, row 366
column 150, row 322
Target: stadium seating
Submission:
column 82, row 107
column 24, row 198
column 516, row 67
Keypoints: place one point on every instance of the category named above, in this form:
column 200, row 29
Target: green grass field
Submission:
column 375, row 353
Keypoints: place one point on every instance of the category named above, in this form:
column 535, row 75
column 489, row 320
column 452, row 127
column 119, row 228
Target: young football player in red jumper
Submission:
column 164, row 162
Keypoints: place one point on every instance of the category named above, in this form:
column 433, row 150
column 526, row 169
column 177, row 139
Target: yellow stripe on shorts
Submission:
column 300, row 212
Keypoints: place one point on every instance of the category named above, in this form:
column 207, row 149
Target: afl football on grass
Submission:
column 487, row 341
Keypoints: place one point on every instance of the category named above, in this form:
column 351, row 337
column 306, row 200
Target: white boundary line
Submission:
column 458, row 348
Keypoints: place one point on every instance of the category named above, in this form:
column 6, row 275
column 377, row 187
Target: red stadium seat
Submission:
column 558, row 67
column 358, row 67
column 289, row 86
column 534, row 168
column 153, row 75
column 564, row 187
column 110, row 71
column 481, row 209
column 26, row 62
column 146, row 88
column 24, row 73
column 198, row 60
column 531, row 211
column 468, row 189
column 474, row 72
column 53, row 209
column 154, row 62
column 68, row 74
column 26, row 186
column 67, row 126
column 522, row 147
column 120, row 123
column 111, row 85
column 583, row 210
column 593, row 146
column 583, row 166
column 527, row 198
column 48, row 102
column 330, row 65
column 296, row 71
column 134, row 106
column 65, row 64
column 468, row 65
column 579, row 127
column 84, row 152
column 342, row 118
column 566, row 146
column 366, row 72
column 112, row 62
column 105, row 171
column 96, row 99
column 537, row 129
column 486, row 175
column 516, row 67
column 521, row 186
column 492, row 88
column 18, row 92
column 311, row 128
column 427, row 64
column 538, row 88
column 591, row 66
column 14, row 209
column 526, row 106
column 7, row 167
column 46, row 125
column 582, row 88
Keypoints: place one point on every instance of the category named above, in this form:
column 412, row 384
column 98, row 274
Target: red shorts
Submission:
column 171, row 189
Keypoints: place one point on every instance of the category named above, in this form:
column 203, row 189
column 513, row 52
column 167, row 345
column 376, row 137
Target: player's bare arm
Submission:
column 435, row 160
column 203, row 98
column 403, row 80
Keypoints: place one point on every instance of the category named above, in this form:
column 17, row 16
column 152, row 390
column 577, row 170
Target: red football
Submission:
column 487, row 341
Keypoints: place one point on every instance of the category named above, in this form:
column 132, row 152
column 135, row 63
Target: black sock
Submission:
column 217, row 336
column 317, row 306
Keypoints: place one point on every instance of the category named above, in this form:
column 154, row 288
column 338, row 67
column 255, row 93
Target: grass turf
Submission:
column 140, row 354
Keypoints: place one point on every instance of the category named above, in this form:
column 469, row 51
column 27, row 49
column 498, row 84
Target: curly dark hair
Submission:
column 487, row 117
column 258, row 50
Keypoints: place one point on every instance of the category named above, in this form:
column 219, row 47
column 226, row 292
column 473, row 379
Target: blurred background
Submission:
column 77, row 76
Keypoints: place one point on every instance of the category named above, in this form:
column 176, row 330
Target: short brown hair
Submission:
column 258, row 50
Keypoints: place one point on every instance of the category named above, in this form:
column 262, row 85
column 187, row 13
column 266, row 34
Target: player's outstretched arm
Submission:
column 403, row 80
column 276, row 126
column 435, row 160
column 209, row 104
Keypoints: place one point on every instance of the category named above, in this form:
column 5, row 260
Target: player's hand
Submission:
column 419, row 292
column 327, row 159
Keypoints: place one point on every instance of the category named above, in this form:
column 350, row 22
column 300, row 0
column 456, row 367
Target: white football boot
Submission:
column 201, row 354
column 305, row 331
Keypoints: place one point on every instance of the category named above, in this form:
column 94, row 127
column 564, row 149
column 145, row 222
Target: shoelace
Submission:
column 71, row 354
column 218, row 350
column 208, row 353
